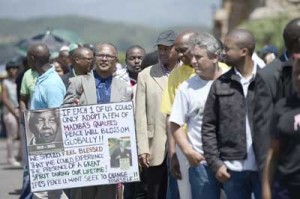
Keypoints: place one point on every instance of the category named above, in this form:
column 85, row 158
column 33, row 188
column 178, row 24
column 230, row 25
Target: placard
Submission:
column 81, row 146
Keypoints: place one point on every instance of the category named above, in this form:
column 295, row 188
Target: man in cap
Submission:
column 150, row 122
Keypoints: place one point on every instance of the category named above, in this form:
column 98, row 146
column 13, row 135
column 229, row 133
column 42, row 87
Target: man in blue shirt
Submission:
column 49, row 89
column 49, row 92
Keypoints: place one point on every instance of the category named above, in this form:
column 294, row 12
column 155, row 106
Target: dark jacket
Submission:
column 272, row 83
column 65, row 78
column 224, row 122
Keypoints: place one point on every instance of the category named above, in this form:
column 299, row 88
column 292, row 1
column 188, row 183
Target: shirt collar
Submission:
column 46, row 74
column 102, row 80
column 254, row 71
column 164, row 69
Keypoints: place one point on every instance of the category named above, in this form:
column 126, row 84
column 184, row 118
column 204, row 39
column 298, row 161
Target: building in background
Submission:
column 234, row 12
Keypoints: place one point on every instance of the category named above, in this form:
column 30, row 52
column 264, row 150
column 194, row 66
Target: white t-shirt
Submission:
column 188, row 108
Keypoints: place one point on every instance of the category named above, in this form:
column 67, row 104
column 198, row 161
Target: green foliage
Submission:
column 268, row 31
column 89, row 30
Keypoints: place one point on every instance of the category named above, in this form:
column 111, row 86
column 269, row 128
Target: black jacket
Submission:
column 224, row 122
column 272, row 83
column 65, row 78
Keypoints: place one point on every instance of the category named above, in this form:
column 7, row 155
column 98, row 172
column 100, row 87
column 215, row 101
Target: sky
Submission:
column 155, row 13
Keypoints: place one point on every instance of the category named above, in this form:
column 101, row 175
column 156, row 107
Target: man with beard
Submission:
column 49, row 92
column 134, row 56
column 227, row 129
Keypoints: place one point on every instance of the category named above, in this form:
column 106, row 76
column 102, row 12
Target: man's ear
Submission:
column 32, row 58
column 244, row 51
column 215, row 57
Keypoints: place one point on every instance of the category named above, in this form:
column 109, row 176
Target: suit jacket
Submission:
column 83, row 87
column 150, row 122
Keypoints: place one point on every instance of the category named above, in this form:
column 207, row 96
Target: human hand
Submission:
column 17, row 115
column 222, row 175
column 144, row 160
column 175, row 167
column 194, row 157
column 76, row 102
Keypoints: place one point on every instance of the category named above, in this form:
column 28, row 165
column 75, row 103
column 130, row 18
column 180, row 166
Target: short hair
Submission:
column 207, row 41
column 109, row 44
column 291, row 35
column 244, row 39
column 77, row 52
column 41, row 53
column 11, row 64
column 134, row 47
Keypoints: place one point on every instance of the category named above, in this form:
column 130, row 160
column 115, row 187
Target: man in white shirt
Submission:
column 188, row 108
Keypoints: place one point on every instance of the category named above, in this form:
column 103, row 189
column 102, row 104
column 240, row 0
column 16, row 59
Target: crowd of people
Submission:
column 213, row 120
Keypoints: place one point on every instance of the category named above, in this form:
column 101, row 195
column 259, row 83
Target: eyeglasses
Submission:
column 110, row 57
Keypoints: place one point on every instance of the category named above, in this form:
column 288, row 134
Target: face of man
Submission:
column 46, row 125
column 83, row 62
column 58, row 68
column 106, row 59
column 134, row 60
column 183, row 53
column 164, row 54
column 64, row 58
column 30, row 61
column 232, row 51
column 201, row 61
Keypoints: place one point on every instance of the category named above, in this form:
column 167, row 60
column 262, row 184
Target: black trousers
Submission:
column 157, row 181
column 136, row 190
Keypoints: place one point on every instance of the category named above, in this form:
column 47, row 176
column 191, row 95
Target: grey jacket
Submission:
column 83, row 87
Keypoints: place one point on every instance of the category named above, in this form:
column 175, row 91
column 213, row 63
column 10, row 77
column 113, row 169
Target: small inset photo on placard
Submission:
column 120, row 153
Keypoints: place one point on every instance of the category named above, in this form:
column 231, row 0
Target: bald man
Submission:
column 49, row 92
column 81, row 59
column 98, row 87
column 227, row 127
column 176, row 77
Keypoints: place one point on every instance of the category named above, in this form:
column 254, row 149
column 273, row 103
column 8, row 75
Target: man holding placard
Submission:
column 49, row 92
column 98, row 87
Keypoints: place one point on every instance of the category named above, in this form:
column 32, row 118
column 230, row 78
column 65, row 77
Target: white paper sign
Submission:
column 81, row 146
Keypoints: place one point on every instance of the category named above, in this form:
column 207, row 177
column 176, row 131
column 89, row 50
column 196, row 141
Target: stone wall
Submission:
column 234, row 12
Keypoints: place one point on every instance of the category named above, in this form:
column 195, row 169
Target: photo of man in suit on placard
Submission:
column 120, row 153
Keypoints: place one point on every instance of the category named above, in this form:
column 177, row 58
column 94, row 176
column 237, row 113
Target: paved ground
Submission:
column 10, row 178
